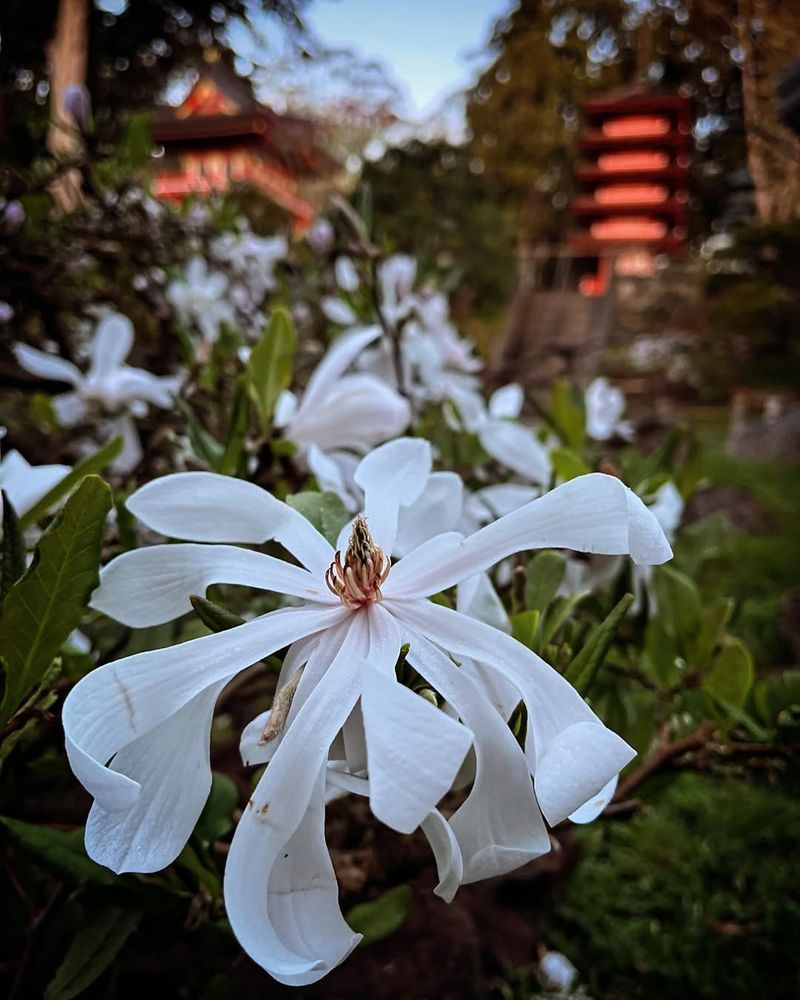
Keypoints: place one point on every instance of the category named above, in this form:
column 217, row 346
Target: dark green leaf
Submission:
column 216, row 818
column 92, row 950
column 214, row 616
column 383, row 916
column 205, row 447
column 544, row 575
column 585, row 666
column 567, row 413
column 269, row 369
column 324, row 510
column 525, row 626
column 12, row 549
column 59, row 851
column 43, row 608
column 94, row 463
column 557, row 615
column 231, row 459
column 567, row 464
column 712, row 626
column 731, row 676
column 679, row 604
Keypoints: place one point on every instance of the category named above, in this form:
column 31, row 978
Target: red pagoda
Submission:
column 220, row 136
column 633, row 182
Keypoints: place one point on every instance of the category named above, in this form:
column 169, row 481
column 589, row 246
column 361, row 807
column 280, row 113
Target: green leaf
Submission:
column 92, row 950
column 567, row 413
column 216, row 818
column 237, row 428
column 12, row 549
column 382, row 916
column 679, row 604
column 544, row 575
column 525, row 626
column 214, row 616
column 731, row 676
column 567, row 464
column 712, row 626
column 584, row 668
column 743, row 718
column 205, row 447
column 557, row 615
column 59, row 851
column 324, row 510
column 94, row 463
column 269, row 368
column 43, row 608
column 136, row 144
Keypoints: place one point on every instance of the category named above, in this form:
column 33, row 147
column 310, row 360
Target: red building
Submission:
column 633, row 182
column 220, row 136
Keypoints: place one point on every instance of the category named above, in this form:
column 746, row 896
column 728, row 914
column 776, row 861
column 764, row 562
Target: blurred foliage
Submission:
column 681, row 901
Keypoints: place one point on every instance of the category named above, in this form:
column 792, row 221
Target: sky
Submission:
column 432, row 47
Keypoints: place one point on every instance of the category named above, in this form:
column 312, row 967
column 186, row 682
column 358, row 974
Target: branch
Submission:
column 663, row 754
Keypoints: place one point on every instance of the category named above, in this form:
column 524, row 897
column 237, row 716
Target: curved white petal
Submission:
column 506, row 402
column 495, row 501
column 414, row 750
column 338, row 358
column 207, row 507
column 111, row 345
column 518, row 448
column 286, row 408
column 498, row 826
column 477, row 598
column 592, row 513
column 392, row 476
column 280, row 891
column 585, row 754
column 69, row 408
column 338, row 311
column 576, row 766
column 136, row 383
column 329, row 476
column 447, row 854
column 346, row 274
column 404, row 578
column 131, row 453
column 122, row 701
column 171, row 765
column 152, row 585
column 435, row 511
column 590, row 810
column 48, row 366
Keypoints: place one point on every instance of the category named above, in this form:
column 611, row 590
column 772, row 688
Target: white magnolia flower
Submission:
column 25, row 484
column 199, row 299
column 396, row 281
column 251, row 259
column 137, row 730
column 605, row 405
column 109, row 382
column 341, row 416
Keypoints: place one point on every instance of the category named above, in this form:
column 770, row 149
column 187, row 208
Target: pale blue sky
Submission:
column 427, row 44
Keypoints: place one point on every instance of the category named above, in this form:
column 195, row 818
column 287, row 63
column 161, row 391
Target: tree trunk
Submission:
column 67, row 55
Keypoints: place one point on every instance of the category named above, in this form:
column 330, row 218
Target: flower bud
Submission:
column 13, row 215
column 320, row 236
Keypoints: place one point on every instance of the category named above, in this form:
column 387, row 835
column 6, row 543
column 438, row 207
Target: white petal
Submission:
column 131, row 453
column 337, row 311
column 405, row 576
column 498, row 826
column 69, row 408
column 136, row 383
column 48, row 366
column 576, row 766
column 414, row 750
column 285, row 409
column 506, row 403
column 590, row 810
column 328, row 475
column 491, row 502
column 359, row 412
column 447, row 854
column 117, row 703
column 391, row 477
column 206, row 507
column 436, row 511
column 478, row 599
column 346, row 274
column 152, row 585
column 668, row 508
column 26, row 484
column 171, row 764
column 592, row 513
column 586, row 755
column 111, row 345
column 280, row 891
column 518, row 448
column 340, row 355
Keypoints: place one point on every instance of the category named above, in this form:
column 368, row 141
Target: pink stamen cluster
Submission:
column 357, row 581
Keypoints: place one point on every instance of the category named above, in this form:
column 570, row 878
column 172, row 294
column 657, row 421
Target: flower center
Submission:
column 357, row 580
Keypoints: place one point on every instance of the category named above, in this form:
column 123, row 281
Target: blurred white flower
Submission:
column 320, row 236
column 605, row 405
column 25, row 484
column 346, row 274
column 344, row 720
column 556, row 972
column 667, row 507
column 200, row 299
column 109, row 382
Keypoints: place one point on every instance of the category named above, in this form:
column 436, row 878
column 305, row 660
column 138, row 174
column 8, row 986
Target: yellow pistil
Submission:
column 357, row 581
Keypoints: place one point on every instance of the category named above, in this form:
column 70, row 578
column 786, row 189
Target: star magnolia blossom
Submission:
column 199, row 299
column 605, row 404
column 109, row 382
column 341, row 416
column 137, row 730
